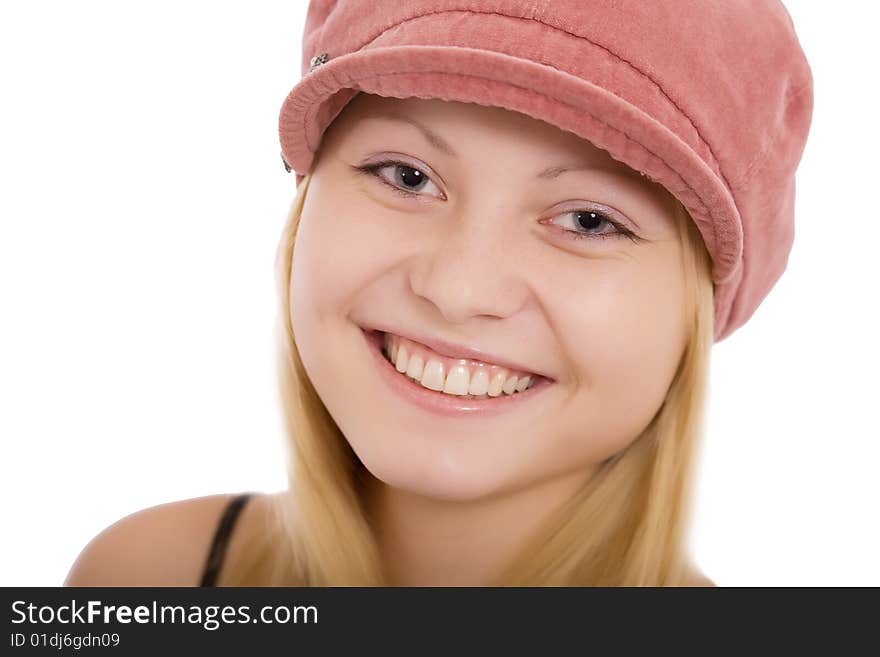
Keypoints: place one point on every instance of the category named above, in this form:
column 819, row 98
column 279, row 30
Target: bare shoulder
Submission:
column 162, row 545
column 699, row 579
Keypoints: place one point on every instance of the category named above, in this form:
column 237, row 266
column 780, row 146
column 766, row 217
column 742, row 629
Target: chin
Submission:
column 431, row 479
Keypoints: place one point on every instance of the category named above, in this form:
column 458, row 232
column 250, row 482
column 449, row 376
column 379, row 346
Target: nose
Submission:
column 467, row 269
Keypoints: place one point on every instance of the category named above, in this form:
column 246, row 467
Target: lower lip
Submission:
column 440, row 402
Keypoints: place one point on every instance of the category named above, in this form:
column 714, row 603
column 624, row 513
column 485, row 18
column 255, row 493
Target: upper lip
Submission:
column 453, row 350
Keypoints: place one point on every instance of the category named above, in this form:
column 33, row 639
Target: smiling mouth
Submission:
column 461, row 379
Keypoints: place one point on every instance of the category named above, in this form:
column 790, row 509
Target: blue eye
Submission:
column 587, row 219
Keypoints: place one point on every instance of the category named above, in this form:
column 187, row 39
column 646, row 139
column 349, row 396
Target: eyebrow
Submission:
column 550, row 173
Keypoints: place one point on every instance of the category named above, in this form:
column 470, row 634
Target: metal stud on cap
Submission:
column 317, row 60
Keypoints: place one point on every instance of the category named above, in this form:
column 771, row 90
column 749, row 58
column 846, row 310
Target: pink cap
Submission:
column 712, row 100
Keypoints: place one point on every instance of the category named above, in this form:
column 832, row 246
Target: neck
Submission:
column 433, row 542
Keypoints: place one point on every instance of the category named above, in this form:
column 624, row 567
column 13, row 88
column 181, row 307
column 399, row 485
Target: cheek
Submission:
column 336, row 251
column 625, row 338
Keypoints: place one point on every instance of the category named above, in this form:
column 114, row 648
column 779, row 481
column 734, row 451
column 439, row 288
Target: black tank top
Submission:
column 214, row 562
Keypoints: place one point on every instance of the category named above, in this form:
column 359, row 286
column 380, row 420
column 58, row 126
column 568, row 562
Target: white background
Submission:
column 142, row 196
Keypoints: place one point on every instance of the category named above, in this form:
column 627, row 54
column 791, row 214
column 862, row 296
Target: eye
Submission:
column 588, row 220
column 404, row 178
column 585, row 221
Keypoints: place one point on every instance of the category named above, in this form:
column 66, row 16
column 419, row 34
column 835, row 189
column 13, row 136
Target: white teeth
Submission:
column 402, row 360
column 523, row 383
column 496, row 384
column 432, row 377
column 389, row 347
column 415, row 368
column 479, row 383
column 458, row 380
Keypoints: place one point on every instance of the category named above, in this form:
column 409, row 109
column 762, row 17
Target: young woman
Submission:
column 517, row 232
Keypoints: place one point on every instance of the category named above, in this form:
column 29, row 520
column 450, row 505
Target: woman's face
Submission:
column 486, row 253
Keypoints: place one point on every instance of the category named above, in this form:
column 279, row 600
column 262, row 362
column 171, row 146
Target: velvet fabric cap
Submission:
column 712, row 99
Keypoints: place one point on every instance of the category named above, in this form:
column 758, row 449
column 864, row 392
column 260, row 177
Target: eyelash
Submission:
column 620, row 230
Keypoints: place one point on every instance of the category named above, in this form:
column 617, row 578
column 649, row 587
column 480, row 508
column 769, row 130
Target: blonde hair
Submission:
column 626, row 527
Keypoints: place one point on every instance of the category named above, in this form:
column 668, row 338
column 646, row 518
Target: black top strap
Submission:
column 221, row 539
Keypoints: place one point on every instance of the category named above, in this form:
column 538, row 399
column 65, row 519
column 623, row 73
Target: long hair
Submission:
column 626, row 527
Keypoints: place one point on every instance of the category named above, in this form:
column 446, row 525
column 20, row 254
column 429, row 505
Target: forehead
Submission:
column 460, row 130
column 519, row 150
